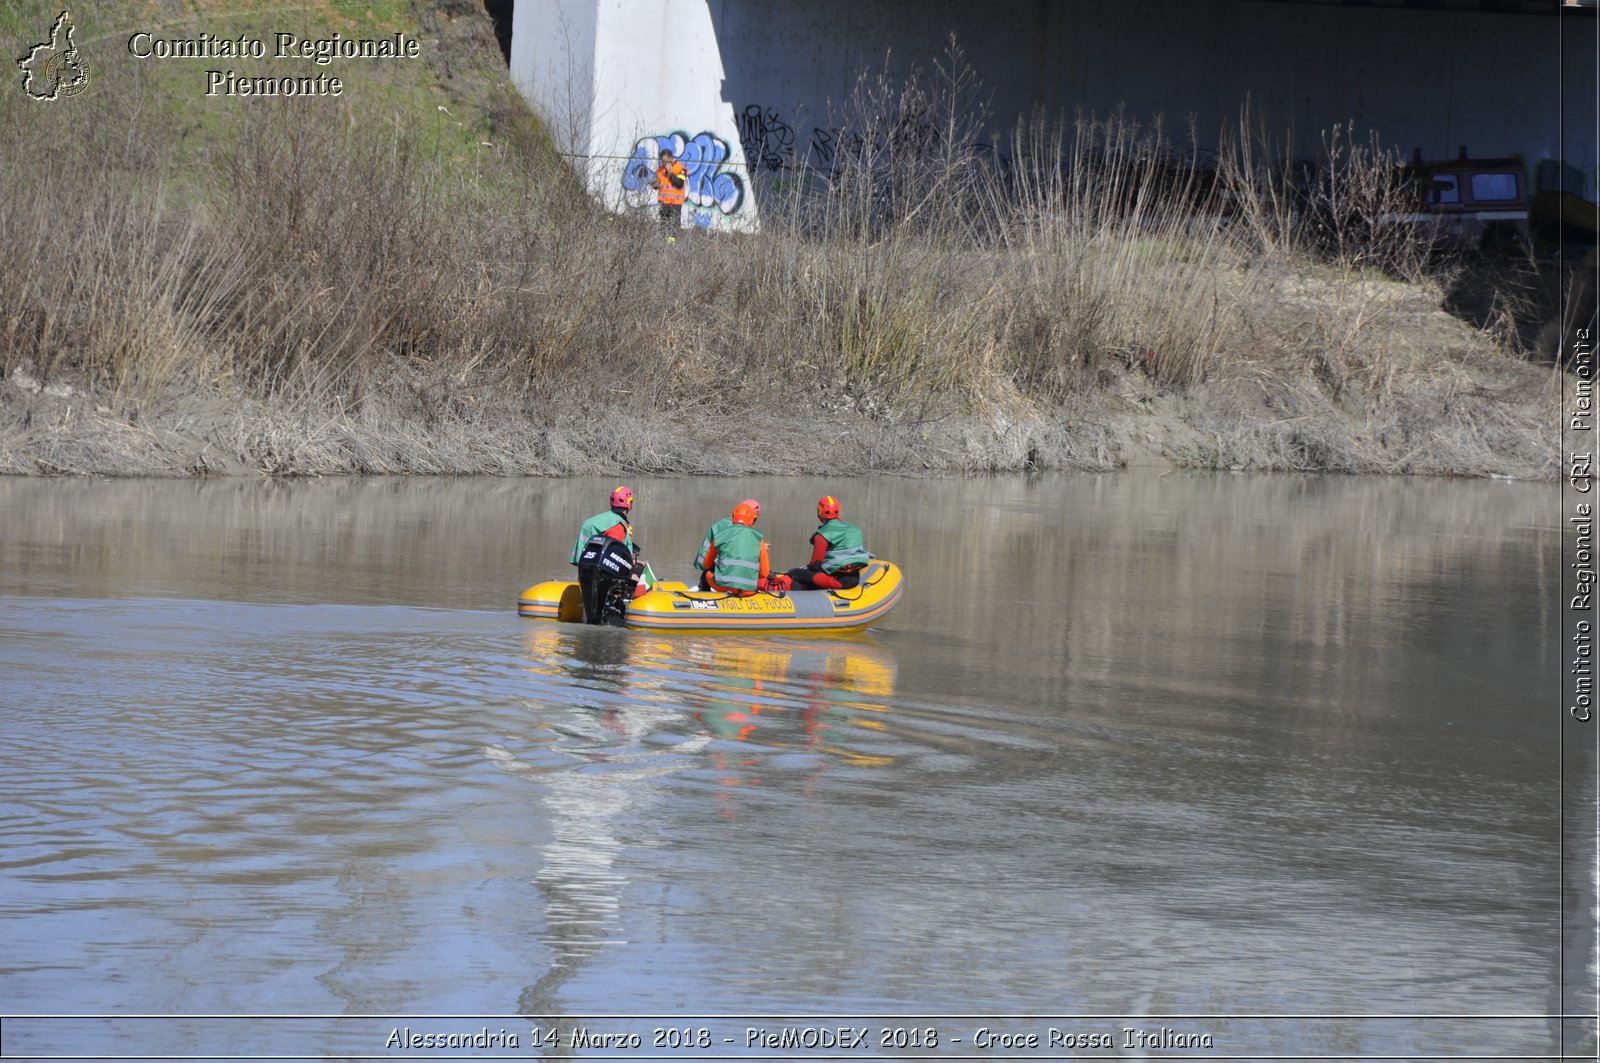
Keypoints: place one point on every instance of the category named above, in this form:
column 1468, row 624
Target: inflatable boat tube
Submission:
column 675, row 606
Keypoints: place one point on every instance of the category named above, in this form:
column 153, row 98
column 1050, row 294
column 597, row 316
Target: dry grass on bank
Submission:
column 354, row 305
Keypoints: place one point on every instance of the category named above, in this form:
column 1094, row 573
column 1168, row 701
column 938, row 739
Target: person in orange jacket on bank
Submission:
column 671, row 181
column 735, row 559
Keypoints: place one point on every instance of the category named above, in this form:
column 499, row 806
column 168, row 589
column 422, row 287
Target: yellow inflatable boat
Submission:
column 675, row 606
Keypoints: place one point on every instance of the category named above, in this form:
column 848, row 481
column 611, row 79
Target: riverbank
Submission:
column 419, row 286
column 1477, row 414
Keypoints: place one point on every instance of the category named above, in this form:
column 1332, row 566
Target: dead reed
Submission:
column 357, row 277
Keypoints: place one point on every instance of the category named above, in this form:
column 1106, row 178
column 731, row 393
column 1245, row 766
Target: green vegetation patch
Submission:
column 175, row 110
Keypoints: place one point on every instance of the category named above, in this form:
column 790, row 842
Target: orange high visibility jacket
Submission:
column 667, row 192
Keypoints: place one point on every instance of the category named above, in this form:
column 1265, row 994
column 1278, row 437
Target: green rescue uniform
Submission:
column 705, row 544
column 598, row 524
column 738, row 561
column 846, row 546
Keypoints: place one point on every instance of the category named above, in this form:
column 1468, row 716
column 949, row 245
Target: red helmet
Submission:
column 827, row 508
column 622, row 498
column 747, row 512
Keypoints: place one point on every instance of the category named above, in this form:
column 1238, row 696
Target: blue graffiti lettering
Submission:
column 710, row 185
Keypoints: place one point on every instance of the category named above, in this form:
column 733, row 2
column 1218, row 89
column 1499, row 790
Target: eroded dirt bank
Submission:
column 1477, row 416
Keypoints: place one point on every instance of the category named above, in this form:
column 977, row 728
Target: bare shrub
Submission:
column 386, row 292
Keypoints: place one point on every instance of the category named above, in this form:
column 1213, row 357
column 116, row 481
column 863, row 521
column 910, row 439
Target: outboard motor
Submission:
column 606, row 578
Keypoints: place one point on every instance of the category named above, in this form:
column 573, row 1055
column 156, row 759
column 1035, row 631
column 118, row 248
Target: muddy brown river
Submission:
column 1142, row 766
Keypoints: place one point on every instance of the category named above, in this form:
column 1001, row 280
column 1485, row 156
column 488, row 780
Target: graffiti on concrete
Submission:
column 822, row 147
column 834, row 147
column 710, row 185
column 768, row 140
column 771, row 145
column 916, row 132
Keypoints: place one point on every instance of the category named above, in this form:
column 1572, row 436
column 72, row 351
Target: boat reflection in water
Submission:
column 792, row 692
column 625, row 715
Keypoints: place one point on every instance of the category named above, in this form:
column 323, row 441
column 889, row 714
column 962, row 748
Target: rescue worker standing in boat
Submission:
column 671, row 180
column 735, row 559
column 838, row 553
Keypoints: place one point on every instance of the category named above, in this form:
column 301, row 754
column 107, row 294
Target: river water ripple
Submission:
column 1183, row 746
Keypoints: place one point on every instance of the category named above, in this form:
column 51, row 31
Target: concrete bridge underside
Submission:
column 753, row 88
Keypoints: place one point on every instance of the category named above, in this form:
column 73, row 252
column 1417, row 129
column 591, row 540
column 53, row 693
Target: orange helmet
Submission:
column 622, row 498
column 827, row 508
column 747, row 512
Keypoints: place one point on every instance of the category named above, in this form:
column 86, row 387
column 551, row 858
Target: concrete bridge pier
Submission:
column 748, row 89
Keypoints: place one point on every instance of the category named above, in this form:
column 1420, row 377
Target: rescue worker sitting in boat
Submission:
column 838, row 554
column 711, row 534
column 609, row 572
column 733, row 557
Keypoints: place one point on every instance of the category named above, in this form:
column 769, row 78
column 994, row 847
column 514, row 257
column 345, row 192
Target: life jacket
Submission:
column 738, row 563
column 669, row 193
column 602, row 522
column 846, row 548
column 705, row 544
